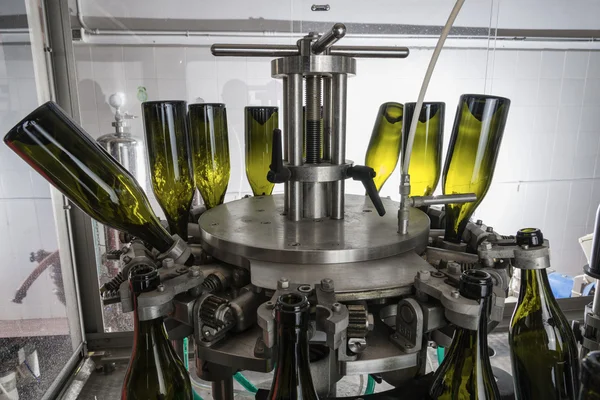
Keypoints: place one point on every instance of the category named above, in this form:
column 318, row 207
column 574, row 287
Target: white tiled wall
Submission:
column 547, row 175
column 26, row 215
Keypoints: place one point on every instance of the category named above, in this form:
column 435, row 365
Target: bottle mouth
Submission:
column 292, row 302
column 144, row 278
column 476, row 284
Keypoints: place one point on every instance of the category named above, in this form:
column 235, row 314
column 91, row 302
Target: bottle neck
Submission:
column 535, row 285
column 149, row 333
column 474, row 342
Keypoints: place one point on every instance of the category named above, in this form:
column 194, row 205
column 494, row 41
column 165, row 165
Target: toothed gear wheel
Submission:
column 215, row 312
column 358, row 321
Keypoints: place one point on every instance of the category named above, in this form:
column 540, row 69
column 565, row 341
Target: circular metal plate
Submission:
column 313, row 65
column 255, row 228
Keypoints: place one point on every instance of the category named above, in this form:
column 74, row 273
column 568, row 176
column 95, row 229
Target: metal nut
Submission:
column 455, row 294
column 194, row 272
column 327, row 285
column 160, row 288
column 453, row 268
column 337, row 307
column 126, row 259
column 283, row 283
column 489, row 229
column 479, row 222
column 486, row 245
column 168, row 262
column 423, row 275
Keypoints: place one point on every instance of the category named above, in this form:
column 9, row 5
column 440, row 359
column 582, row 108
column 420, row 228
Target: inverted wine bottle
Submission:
column 545, row 362
column 292, row 378
column 472, row 154
column 170, row 159
column 466, row 372
column 155, row 371
column 259, row 125
column 62, row 152
column 590, row 376
column 426, row 156
column 210, row 140
column 386, row 140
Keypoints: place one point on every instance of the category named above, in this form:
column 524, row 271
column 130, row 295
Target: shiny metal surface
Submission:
column 370, row 51
column 324, row 172
column 310, row 65
column 253, row 50
column 327, row 116
column 419, row 201
column 315, row 200
column 392, row 276
column 327, row 40
column 254, row 228
column 295, row 134
column 338, row 140
column 223, row 389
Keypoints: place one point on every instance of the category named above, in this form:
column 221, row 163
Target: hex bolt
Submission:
column 160, row 288
column 126, row 259
column 486, row 245
column 194, row 272
column 489, row 229
column 525, row 247
column 423, row 275
column 337, row 307
column 479, row 222
column 168, row 262
column 283, row 283
column 327, row 284
column 455, row 294
column 270, row 305
column 453, row 268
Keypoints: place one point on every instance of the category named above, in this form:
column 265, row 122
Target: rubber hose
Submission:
column 241, row 379
column 440, row 354
column 370, row 385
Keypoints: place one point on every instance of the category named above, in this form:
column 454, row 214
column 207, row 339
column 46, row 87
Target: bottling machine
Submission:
column 382, row 282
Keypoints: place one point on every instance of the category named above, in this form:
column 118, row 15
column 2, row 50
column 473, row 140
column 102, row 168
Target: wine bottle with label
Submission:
column 292, row 378
column 426, row 156
column 466, row 372
column 545, row 363
column 590, row 376
column 155, row 371
column 63, row 153
column 386, row 141
column 208, row 125
column 170, row 159
column 260, row 123
column 472, row 153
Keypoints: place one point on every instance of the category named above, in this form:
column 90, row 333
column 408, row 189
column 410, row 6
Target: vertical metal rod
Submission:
column 286, row 140
column 338, row 141
column 313, row 119
column 327, row 115
column 223, row 390
column 294, row 113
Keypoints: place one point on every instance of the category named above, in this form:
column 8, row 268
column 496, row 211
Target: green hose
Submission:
column 241, row 379
column 370, row 385
column 440, row 354
column 186, row 363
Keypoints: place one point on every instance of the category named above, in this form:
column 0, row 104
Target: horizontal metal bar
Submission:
column 254, row 50
column 370, row 52
column 419, row 201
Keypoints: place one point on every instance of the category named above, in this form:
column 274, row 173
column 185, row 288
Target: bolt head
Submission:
column 160, row 288
column 486, row 245
column 194, row 272
column 525, row 247
column 489, row 229
column 168, row 262
column 337, row 307
column 327, row 284
column 283, row 283
column 453, row 268
column 455, row 294
column 479, row 222
column 423, row 275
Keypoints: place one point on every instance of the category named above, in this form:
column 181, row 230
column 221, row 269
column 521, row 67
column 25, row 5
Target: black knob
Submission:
column 277, row 172
column 530, row 236
column 366, row 175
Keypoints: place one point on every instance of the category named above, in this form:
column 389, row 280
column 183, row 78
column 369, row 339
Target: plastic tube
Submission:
column 241, row 379
column 186, row 363
column 440, row 354
column 370, row 386
column 428, row 73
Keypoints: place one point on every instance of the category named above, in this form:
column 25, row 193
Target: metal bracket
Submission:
column 409, row 326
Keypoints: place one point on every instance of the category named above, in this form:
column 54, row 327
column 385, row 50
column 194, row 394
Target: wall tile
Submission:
column 590, row 118
column 171, row 89
column 104, row 88
column 528, row 64
column 200, row 63
column 505, row 62
column 170, row 62
column 553, row 64
column 556, row 211
column 579, row 202
column 139, row 62
column 15, row 186
column 592, row 92
column 572, row 91
column 594, row 65
column 586, row 154
column 83, row 62
column 548, row 93
column 132, row 103
column 206, row 89
column 108, row 62
column 39, row 185
column 576, row 64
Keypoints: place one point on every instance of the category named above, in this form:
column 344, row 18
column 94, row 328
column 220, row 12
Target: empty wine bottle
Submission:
column 590, row 377
column 170, row 158
column 208, row 126
column 63, row 153
column 472, row 153
column 466, row 372
column 543, row 351
column 426, row 156
column 292, row 378
column 155, row 371
column 386, row 140
column 259, row 125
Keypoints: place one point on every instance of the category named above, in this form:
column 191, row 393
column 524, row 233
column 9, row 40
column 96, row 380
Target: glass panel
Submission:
column 39, row 318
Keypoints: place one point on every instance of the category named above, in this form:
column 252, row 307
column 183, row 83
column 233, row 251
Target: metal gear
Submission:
column 216, row 312
column 358, row 321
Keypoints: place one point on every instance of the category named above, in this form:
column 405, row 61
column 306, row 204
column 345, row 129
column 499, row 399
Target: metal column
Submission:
column 338, row 141
column 294, row 114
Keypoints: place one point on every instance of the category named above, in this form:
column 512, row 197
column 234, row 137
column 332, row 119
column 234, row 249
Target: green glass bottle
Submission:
column 545, row 363
column 259, row 125
column 590, row 376
column 169, row 156
column 63, row 153
column 292, row 378
column 208, row 127
column 384, row 146
column 155, row 371
column 466, row 372
column 426, row 156
column 472, row 153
